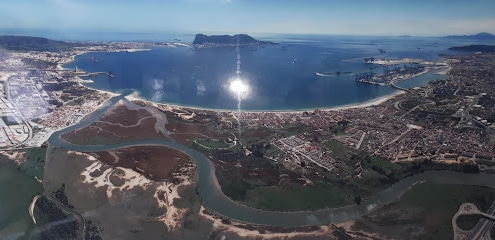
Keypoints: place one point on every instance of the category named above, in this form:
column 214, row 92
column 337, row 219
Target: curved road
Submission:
column 216, row 201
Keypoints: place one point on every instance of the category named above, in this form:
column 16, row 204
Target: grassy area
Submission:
column 232, row 184
column 94, row 140
column 487, row 163
column 430, row 207
column 340, row 151
column 296, row 197
column 370, row 183
column 447, row 198
column 215, row 144
column 35, row 162
column 383, row 163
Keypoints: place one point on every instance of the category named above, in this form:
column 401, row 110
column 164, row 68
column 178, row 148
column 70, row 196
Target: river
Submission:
column 216, row 201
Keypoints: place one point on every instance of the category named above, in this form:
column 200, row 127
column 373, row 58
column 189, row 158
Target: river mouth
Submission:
column 215, row 200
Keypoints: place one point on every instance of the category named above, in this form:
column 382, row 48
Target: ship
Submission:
column 94, row 59
column 329, row 74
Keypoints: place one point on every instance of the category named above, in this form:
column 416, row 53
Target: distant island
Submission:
column 475, row 48
column 202, row 40
column 479, row 36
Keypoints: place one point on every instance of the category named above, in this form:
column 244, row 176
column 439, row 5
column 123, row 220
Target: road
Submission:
column 76, row 215
column 482, row 229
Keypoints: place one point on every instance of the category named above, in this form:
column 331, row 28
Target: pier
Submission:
column 398, row 87
column 329, row 74
column 109, row 74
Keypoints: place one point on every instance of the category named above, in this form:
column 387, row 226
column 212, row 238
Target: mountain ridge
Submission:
column 27, row 43
column 478, row 36
column 202, row 40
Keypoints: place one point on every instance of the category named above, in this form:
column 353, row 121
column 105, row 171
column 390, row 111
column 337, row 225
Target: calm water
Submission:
column 279, row 77
column 17, row 190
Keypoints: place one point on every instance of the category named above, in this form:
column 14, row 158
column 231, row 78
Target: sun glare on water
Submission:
column 238, row 87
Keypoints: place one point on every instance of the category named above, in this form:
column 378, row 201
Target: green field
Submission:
column 383, row 163
column 428, row 207
column 296, row 198
column 340, row 151
column 213, row 144
column 35, row 162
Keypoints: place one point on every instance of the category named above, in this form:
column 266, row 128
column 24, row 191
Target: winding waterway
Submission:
column 216, row 201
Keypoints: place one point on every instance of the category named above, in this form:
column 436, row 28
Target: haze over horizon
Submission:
column 360, row 17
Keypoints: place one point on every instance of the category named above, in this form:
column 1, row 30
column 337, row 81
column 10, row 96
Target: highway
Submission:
column 482, row 229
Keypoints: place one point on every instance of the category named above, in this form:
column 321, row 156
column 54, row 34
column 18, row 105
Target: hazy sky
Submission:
column 354, row 17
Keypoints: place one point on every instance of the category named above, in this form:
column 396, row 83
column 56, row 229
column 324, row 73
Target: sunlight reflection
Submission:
column 239, row 87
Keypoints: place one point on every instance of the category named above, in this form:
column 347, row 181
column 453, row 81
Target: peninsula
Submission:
column 474, row 48
column 202, row 41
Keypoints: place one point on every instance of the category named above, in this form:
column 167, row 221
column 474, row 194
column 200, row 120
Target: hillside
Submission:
column 25, row 43
column 202, row 40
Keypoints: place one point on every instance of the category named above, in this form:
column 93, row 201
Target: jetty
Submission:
column 329, row 74
column 109, row 74
column 398, row 87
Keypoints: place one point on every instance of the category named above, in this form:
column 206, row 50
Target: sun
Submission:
column 239, row 87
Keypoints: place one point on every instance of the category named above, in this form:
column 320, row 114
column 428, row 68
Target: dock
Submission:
column 109, row 74
column 398, row 87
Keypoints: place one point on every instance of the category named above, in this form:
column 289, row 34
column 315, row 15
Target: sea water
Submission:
column 279, row 77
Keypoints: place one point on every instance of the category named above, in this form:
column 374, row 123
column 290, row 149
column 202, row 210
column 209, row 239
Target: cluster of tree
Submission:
column 65, row 228
column 59, row 194
column 228, row 156
column 258, row 148
column 91, row 232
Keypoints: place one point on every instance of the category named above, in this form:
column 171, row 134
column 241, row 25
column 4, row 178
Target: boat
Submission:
column 322, row 74
column 329, row 74
column 94, row 59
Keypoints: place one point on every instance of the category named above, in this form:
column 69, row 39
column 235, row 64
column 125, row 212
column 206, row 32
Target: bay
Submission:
column 278, row 77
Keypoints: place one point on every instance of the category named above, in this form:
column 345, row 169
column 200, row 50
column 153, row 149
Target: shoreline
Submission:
column 369, row 103
column 31, row 208
column 135, row 95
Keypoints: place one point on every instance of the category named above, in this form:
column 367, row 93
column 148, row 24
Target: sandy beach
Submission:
column 31, row 208
column 238, row 229
column 372, row 102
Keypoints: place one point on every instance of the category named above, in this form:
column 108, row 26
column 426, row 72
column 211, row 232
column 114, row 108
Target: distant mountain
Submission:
column 202, row 40
column 25, row 43
column 475, row 48
column 479, row 36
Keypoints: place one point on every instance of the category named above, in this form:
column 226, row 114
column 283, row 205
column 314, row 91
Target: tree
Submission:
column 358, row 200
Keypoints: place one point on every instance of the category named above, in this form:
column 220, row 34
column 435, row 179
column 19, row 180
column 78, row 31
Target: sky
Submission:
column 343, row 17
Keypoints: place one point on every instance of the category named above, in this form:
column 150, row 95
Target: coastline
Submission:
column 135, row 94
column 369, row 103
column 132, row 50
column 80, row 52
